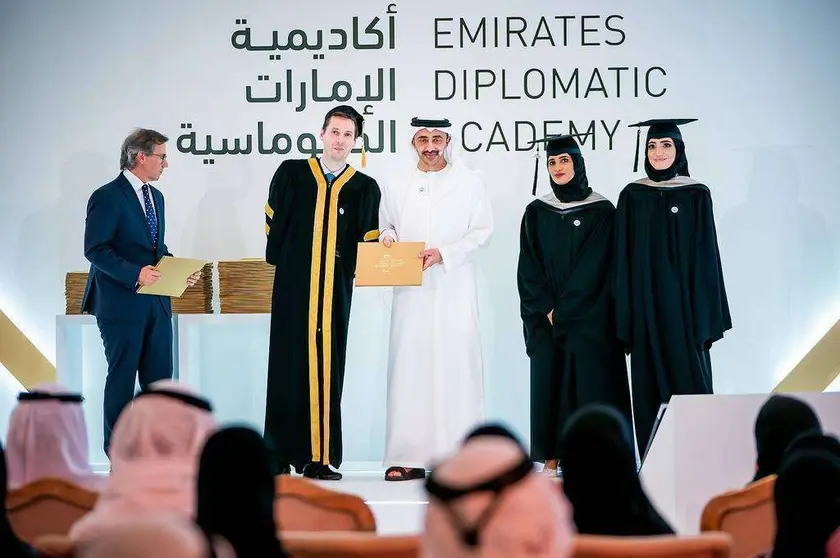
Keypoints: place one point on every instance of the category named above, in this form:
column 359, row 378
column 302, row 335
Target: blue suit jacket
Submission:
column 118, row 244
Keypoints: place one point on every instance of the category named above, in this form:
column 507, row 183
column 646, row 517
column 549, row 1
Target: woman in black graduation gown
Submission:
column 670, row 298
column 563, row 276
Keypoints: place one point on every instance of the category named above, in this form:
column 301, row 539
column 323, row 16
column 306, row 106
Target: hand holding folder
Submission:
column 398, row 264
column 174, row 276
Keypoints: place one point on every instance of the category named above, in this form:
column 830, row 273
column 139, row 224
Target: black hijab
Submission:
column 577, row 189
column 813, row 440
column 781, row 419
column 680, row 165
column 10, row 545
column 236, row 493
column 807, row 497
column 600, row 478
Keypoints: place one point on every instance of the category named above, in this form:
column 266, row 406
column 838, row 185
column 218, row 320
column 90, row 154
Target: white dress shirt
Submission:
column 137, row 184
column 325, row 170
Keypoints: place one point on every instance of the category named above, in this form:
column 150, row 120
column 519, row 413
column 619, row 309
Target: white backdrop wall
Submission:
column 761, row 77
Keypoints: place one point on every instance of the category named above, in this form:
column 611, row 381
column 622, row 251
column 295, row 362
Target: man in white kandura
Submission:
column 435, row 372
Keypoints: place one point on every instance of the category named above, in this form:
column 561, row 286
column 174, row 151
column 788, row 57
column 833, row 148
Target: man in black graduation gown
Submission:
column 564, row 284
column 318, row 210
column 671, row 302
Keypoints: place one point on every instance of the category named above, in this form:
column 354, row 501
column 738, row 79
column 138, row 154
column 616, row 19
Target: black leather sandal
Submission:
column 404, row 474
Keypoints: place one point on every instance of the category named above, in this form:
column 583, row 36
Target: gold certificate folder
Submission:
column 174, row 273
column 397, row 266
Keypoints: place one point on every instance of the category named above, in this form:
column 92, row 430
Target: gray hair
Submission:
column 140, row 140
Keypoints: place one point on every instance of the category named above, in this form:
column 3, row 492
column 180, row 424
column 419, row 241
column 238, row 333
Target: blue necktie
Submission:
column 330, row 177
column 151, row 219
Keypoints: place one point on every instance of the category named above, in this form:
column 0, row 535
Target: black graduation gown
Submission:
column 564, row 264
column 310, row 305
column 670, row 299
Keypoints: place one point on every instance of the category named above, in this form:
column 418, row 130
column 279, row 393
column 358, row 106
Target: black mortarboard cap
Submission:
column 658, row 128
column 555, row 145
column 352, row 113
column 430, row 123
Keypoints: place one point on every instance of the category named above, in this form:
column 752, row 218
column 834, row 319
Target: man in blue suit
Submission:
column 124, row 239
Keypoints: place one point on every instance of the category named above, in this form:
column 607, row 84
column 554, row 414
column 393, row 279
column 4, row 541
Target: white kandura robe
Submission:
column 435, row 371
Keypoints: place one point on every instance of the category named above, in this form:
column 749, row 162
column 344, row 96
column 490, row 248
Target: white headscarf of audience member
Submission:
column 47, row 438
column 153, row 538
column 155, row 449
column 487, row 501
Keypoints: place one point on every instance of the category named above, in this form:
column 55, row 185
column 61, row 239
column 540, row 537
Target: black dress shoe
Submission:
column 319, row 471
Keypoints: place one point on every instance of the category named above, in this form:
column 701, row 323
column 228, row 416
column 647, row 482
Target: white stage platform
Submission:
column 399, row 507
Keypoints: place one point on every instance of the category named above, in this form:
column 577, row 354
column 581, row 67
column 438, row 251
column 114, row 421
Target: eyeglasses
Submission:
column 161, row 155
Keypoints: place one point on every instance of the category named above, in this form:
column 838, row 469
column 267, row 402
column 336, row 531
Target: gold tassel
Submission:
column 364, row 157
